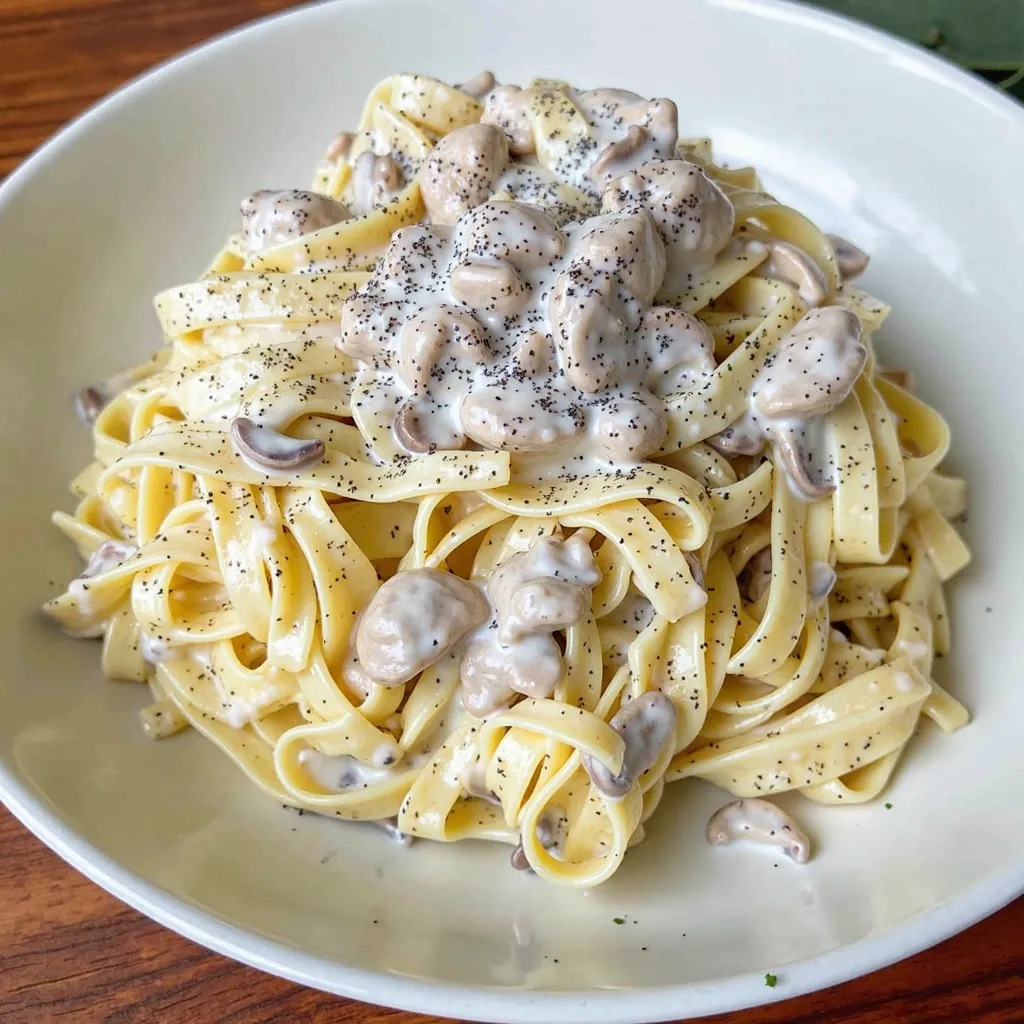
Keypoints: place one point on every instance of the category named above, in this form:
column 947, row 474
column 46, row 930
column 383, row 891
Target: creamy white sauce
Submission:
column 344, row 772
column 155, row 650
column 239, row 712
column 504, row 328
column 904, row 682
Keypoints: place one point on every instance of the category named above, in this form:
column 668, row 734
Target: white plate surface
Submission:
column 901, row 152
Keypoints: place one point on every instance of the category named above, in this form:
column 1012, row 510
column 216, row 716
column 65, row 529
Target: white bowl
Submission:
column 888, row 145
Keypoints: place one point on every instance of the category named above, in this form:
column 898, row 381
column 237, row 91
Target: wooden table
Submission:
column 70, row 951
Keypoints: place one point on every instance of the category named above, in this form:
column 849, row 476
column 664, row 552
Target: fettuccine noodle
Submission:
column 527, row 463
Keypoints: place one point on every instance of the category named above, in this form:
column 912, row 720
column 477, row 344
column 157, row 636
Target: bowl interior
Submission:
column 905, row 156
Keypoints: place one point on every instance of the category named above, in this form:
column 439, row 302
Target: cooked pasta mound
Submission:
column 528, row 462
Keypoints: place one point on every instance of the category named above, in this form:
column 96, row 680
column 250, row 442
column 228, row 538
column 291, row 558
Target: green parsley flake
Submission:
column 619, row 920
column 888, row 806
column 770, row 980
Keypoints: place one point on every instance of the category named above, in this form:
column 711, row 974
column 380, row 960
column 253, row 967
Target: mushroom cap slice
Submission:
column 270, row 449
column 761, row 822
column 434, row 334
column 791, row 457
column 788, row 262
column 420, row 427
column 851, row 260
column 489, row 286
column 645, row 724
column 89, row 403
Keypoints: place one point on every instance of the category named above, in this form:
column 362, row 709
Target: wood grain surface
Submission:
column 69, row 951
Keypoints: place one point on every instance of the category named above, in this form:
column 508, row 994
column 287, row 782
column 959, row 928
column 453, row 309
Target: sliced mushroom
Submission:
column 678, row 348
column 741, row 438
column 416, row 618
column 270, row 217
column 520, row 234
column 756, row 577
column 462, row 171
column 89, row 403
column 814, row 368
column 387, row 178
column 393, row 832
column 761, row 822
column 821, row 578
column 851, row 260
column 693, row 214
column 610, row 164
column 479, row 85
column 489, row 286
column 629, row 426
column 441, row 332
column 625, row 246
column 661, row 121
column 515, row 416
column 794, row 463
column 340, row 147
column 507, row 108
column 518, row 859
column 550, row 831
column 375, row 179
column 645, row 724
column 270, row 449
column 788, row 262
column 420, row 427
column 588, row 332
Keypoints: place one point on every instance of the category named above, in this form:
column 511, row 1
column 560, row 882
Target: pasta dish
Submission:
column 528, row 461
